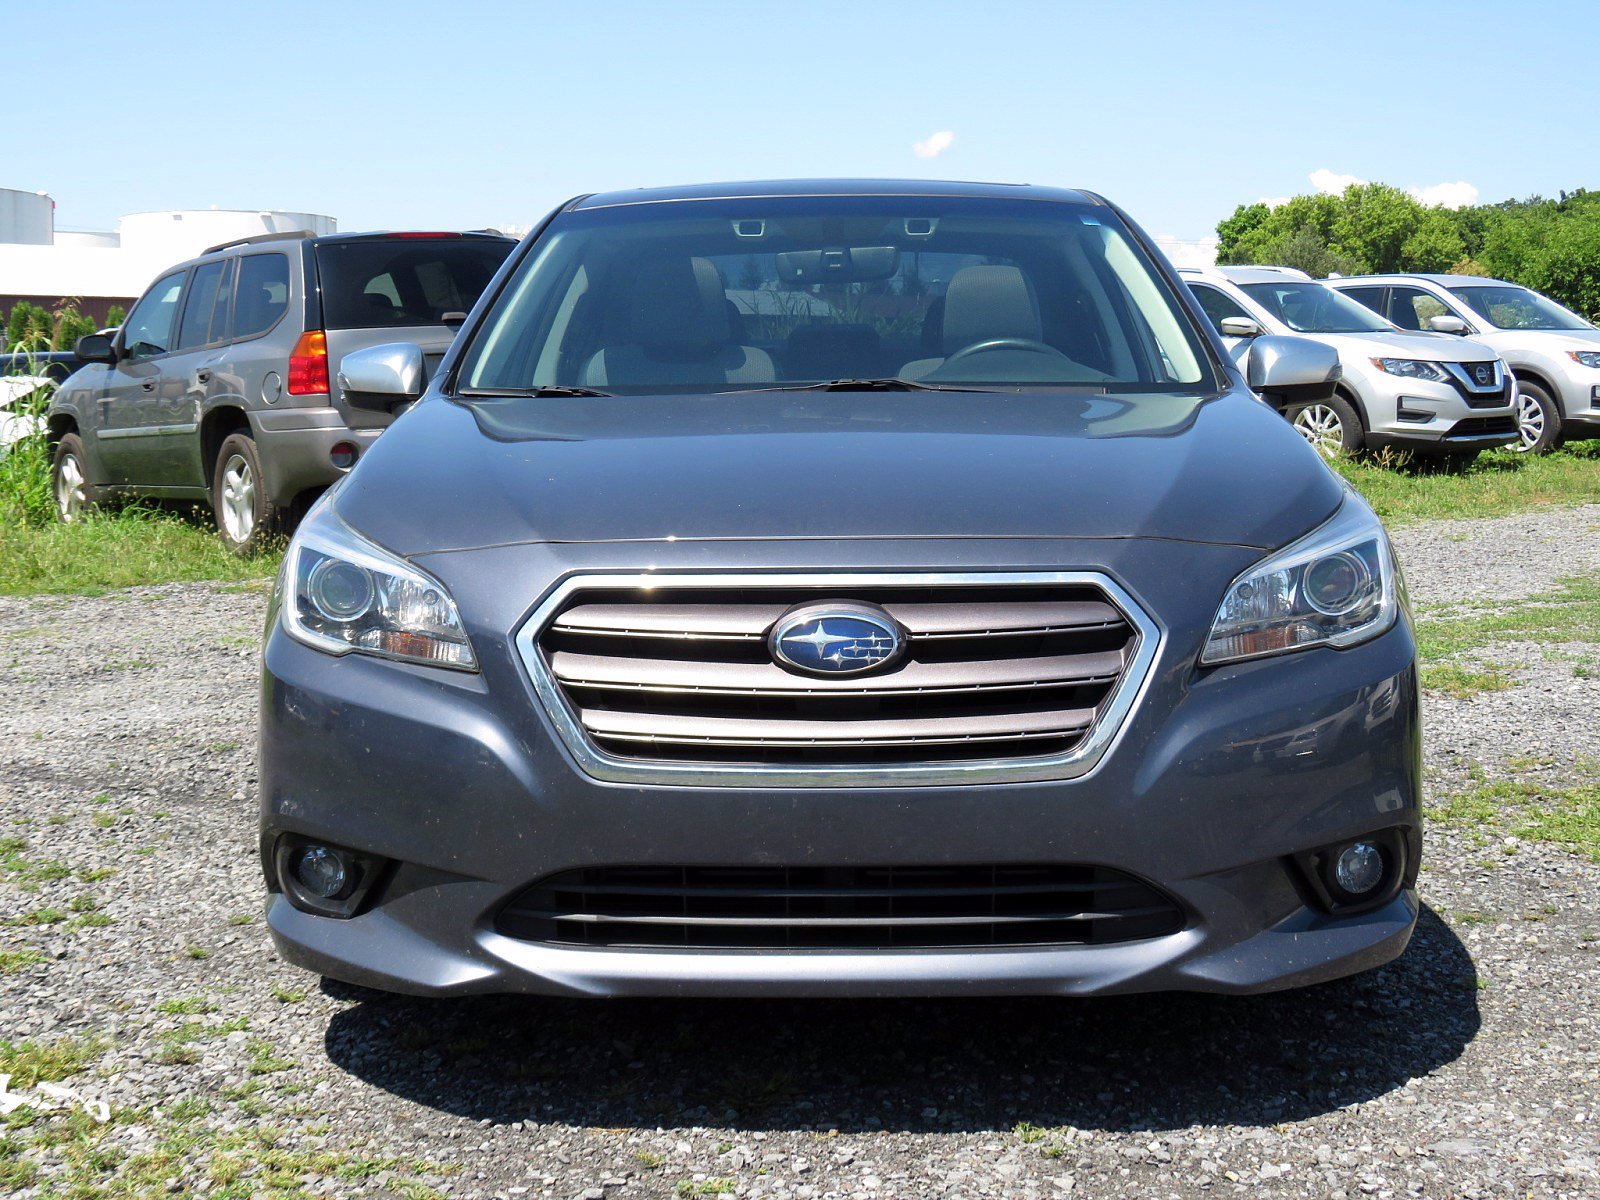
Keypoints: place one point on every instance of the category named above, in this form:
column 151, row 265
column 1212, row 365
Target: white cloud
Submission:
column 1332, row 182
column 936, row 144
column 1459, row 194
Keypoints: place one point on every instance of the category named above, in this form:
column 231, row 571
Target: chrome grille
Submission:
column 672, row 678
column 758, row 908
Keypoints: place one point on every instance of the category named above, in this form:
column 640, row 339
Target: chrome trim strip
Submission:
column 140, row 431
column 1080, row 761
column 1472, row 385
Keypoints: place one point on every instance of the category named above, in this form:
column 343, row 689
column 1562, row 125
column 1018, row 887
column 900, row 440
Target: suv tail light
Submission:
column 308, row 364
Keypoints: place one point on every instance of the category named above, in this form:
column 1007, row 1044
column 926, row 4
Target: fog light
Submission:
column 322, row 872
column 343, row 455
column 1359, row 869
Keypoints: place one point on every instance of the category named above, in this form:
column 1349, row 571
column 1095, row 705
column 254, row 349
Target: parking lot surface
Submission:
column 131, row 899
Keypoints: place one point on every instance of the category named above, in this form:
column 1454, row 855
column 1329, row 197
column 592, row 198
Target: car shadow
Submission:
column 1127, row 1063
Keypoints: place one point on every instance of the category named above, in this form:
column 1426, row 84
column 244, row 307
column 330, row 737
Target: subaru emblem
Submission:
column 836, row 638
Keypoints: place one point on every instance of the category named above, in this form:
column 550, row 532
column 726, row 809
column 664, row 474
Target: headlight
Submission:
column 1412, row 368
column 1336, row 586
column 1585, row 358
column 344, row 595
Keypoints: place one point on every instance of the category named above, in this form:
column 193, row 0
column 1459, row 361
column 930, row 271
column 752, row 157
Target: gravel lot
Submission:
column 1471, row 1067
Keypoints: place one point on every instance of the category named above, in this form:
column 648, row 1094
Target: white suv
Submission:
column 1554, row 353
column 1428, row 393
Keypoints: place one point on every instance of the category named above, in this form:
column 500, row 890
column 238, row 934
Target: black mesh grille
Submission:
column 989, row 672
column 839, row 907
column 1482, row 426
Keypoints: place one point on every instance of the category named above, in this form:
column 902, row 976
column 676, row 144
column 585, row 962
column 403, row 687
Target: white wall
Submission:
column 125, row 263
column 27, row 217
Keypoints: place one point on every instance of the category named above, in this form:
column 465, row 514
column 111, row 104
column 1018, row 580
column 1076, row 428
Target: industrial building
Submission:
column 94, row 270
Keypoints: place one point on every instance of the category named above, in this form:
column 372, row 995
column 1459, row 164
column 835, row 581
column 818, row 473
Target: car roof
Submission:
column 1440, row 279
column 319, row 239
column 785, row 188
column 1247, row 274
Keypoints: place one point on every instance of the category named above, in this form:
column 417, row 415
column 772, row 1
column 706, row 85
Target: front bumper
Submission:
column 1417, row 413
column 1217, row 780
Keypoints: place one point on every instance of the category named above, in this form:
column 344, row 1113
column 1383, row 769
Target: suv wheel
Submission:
column 245, row 517
column 1538, row 420
column 69, row 481
column 1331, row 426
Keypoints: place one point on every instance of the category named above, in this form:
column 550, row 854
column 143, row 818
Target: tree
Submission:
column 1233, row 231
column 70, row 326
column 17, row 325
column 115, row 315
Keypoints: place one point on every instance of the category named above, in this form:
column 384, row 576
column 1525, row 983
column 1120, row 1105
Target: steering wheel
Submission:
column 1003, row 343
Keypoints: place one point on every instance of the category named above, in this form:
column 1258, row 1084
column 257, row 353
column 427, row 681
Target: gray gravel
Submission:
column 1468, row 1068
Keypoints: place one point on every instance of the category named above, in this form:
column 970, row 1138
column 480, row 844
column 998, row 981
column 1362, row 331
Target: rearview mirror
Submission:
column 1447, row 323
column 1292, row 370
column 95, row 347
column 1239, row 327
column 380, row 378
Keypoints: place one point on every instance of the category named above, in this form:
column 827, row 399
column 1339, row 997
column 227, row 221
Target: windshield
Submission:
column 1509, row 307
column 1307, row 307
column 725, row 295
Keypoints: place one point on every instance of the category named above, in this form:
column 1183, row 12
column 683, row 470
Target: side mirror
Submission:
column 380, row 378
column 95, row 347
column 1292, row 370
column 1239, row 327
column 1448, row 323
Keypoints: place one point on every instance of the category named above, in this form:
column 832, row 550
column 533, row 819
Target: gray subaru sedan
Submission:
column 842, row 588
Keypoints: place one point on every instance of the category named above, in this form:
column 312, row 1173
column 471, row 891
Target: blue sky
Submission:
column 394, row 115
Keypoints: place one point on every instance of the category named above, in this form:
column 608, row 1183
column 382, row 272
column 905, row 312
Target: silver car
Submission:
column 1427, row 393
column 1554, row 353
column 221, row 385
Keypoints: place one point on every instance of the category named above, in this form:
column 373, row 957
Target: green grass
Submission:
column 1568, row 614
column 1531, row 810
column 29, row 1063
column 1497, row 484
column 1461, row 682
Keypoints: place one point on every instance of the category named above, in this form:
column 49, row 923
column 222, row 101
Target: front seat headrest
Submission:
column 680, row 311
column 988, row 302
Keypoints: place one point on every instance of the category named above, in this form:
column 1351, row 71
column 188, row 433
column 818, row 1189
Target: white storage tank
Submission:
column 26, row 218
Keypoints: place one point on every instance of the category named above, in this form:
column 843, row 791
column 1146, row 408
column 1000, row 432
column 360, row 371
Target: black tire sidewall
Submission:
column 1551, row 438
column 266, row 514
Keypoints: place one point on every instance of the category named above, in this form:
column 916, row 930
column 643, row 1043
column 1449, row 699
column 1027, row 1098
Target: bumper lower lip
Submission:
column 377, row 951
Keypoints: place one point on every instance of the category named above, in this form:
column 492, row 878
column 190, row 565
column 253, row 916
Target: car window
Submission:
column 1506, row 306
column 262, row 293
column 1410, row 307
column 1372, row 297
column 402, row 280
column 1218, row 305
column 1314, row 308
column 194, row 328
column 733, row 295
column 148, row 329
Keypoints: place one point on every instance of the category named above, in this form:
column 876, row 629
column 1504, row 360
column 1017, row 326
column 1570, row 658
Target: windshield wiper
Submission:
column 891, row 383
column 548, row 389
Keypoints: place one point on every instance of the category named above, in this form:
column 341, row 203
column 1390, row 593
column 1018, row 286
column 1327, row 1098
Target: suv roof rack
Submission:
column 292, row 235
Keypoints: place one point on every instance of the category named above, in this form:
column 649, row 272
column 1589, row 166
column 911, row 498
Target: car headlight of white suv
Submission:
column 1413, row 368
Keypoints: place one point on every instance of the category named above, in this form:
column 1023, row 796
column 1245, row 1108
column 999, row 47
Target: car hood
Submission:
column 816, row 465
column 1434, row 347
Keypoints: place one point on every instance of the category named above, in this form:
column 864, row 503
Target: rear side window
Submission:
column 263, row 293
column 1217, row 306
column 403, row 281
column 1372, row 297
column 207, row 290
column 148, row 329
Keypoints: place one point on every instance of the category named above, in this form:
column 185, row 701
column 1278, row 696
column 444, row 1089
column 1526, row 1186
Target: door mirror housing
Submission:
column 1292, row 370
column 1239, row 327
column 381, row 378
column 1448, row 323
column 95, row 348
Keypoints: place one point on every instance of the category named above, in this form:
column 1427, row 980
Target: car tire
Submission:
column 69, row 480
column 246, row 518
column 1332, row 426
column 1538, row 420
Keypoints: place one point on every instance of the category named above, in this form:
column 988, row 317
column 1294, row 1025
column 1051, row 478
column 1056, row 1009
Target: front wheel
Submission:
column 1538, row 420
column 1331, row 426
column 69, row 479
column 246, row 518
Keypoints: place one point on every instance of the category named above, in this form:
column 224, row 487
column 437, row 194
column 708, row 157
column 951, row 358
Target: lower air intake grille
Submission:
column 827, row 908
